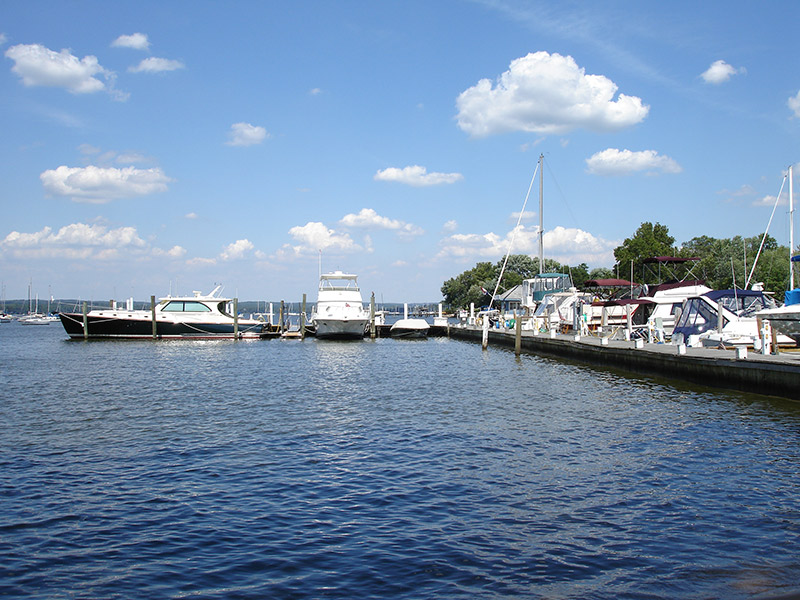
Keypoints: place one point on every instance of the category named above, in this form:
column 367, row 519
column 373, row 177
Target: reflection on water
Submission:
column 381, row 468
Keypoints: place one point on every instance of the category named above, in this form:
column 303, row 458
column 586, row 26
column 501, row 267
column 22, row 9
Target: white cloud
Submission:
column 566, row 245
column 38, row 65
column 245, row 134
column 794, row 104
column 137, row 41
column 77, row 240
column 549, row 94
column 367, row 218
column 3, row 38
column 720, row 72
column 315, row 91
column 236, row 250
column 190, row 215
column 624, row 162
column 416, row 176
column 156, row 65
column 99, row 185
column 450, row 225
column 314, row 237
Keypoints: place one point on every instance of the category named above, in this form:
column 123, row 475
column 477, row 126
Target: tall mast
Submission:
column 791, row 232
column 541, row 215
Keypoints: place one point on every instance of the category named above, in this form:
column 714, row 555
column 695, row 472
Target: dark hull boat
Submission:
column 185, row 317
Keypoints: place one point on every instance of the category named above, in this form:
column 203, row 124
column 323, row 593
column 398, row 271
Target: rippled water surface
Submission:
column 380, row 469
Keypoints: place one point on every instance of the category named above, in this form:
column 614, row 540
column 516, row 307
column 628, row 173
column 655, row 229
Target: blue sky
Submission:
column 169, row 146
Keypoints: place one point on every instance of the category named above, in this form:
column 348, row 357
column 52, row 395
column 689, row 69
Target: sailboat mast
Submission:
column 791, row 231
column 541, row 215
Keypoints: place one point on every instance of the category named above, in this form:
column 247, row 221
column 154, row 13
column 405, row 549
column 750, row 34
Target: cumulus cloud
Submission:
column 549, row 94
column 367, row 218
column 416, row 176
column 245, row 134
column 97, row 185
column 794, row 104
column 236, row 250
column 720, row 72
column 567, row 245
column 77, row 240
column 450, row 225
column 37, row 65
column 314, row 237
column 624, row 162
column 156, row 65
column 137, row 41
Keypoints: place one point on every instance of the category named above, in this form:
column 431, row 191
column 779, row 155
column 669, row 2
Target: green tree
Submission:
column 648, row 241
column 728, row 261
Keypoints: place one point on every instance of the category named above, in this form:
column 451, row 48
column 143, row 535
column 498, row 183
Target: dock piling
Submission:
column 153, row 316
column 85, row 322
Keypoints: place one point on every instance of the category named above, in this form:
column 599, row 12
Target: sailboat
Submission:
column 34, row 317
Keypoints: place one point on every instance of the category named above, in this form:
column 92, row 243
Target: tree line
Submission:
column 723, row 263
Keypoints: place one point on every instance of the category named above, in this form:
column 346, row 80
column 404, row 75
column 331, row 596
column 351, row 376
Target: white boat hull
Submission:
column 341, row 329
column 410, row 328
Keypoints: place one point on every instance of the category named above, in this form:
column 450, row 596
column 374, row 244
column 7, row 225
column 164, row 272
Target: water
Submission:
column 380, row 469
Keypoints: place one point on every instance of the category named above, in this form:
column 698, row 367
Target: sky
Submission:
column 162, row 147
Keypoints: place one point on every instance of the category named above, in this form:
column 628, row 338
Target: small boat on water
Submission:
column 409, row 328
column 339, row 312
column 197, row 316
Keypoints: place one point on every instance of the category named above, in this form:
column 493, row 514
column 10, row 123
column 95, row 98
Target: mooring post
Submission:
column 85, row 322
column 303, row 320
column 372, row 316
column 153, row 316
column 628, row 322
column 236, row 318
column 518, row 336
column 280, row 317
column 485, row 336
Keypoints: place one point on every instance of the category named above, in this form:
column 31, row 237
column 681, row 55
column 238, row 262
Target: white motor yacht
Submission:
column 339, row 312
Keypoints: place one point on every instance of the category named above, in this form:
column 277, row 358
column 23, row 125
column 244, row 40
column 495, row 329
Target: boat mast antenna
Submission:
column 791, row 231
column 541, row 214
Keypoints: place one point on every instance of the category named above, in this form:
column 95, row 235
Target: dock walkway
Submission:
column 775, row 375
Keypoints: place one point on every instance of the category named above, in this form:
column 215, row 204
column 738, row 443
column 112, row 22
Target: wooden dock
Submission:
column 768, row 374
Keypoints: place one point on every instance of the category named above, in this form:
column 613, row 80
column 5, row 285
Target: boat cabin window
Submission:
column 181, row 306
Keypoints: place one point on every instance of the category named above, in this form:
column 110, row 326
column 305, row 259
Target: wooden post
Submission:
column 720, row 319
column 236, row 318
column 280, row 319
column 485, row 336
column 372, row 316
column 774, row 333
column 303, row 320
column 153, row 316
column 85, row 322
column 518, row 336
column 628, row 320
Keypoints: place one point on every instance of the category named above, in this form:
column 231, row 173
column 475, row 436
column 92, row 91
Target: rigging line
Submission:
column 764, row 237
column 513, row 235
column 563, row 197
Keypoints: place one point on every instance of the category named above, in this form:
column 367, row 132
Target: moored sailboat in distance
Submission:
column 339, row 312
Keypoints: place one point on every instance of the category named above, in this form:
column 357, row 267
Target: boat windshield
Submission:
column 181, row 306
column 339, row 284
column 697, row 317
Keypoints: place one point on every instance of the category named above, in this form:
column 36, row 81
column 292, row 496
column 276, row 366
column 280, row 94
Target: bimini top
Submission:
column 671, row 259
column 796, row 258
column 608, row 283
